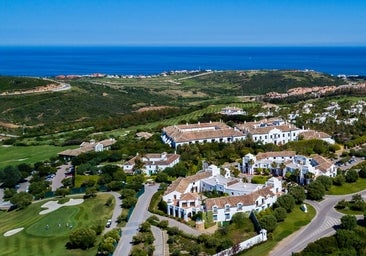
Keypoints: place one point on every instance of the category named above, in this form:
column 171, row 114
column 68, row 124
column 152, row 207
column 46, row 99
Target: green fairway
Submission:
column 15, row 155
column 57, row 223
column 38, row 239
column 348, row 188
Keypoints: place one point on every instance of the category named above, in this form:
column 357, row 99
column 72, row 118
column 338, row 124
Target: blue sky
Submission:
column 185, row 22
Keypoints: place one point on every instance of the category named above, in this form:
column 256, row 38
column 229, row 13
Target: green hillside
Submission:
column 105, row 102
column 12, row 83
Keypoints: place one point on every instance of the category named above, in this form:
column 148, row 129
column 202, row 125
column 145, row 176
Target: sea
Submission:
column 47, row 61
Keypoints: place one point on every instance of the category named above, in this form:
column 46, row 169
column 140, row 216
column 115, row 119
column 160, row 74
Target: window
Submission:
column 227, row 208
column 240, row 206
column 214, row 209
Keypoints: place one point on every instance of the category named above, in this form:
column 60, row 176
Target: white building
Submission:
column 273, row 130
column 230, row 111
column 200, row 133
column 85, row 147
column 184, row 200
column 287, row 161
column 311, row 134
column 152, row 162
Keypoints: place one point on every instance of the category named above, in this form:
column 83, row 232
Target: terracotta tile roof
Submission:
column 181, row 184
column 323, row 163
column 249, row 199
column 189, row 197
column 311, row 134
column 265, row 155
column 201, row 131
column 149, row 159
column 86, row 147
column 266, row 125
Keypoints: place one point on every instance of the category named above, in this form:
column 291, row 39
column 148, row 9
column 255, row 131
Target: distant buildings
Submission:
column 177, row 135
column 230, row 111
column 85, row 147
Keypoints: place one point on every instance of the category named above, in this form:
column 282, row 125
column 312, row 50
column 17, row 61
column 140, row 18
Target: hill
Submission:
column 104, row 101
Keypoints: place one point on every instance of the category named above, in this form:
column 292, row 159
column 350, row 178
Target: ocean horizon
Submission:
column 47, row 61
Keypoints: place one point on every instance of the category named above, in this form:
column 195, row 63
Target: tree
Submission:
column 107, row 245
column 195, row 249
column 268, row 222
column 362, row 173
column 280, row 214
column 239, row 219
column 351, row 176
column 90, row 192
column 348, row 222
column 316, row 190
column 83, row 238
column 339, row 180
column 162, row 177
column 287, row 202
column 21, row 200
column 298, row 193
column 10, row 176
column 62, row 192
column 326, row 181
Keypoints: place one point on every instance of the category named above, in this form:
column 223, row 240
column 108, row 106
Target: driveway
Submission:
column 137, row 217
column 322, row 225
column 116, row 212
column 60, row 175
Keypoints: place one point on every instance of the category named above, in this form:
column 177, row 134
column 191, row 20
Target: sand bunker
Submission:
column 53, row 205
column 13, row 231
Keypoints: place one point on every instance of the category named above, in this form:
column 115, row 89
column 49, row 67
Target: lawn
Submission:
column 348, row 188
column 15, row 155
column 38, row 239
column 294, row 221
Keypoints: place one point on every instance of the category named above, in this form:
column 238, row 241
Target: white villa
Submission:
column 273, row 130
column 87, row 147
column 152, row 162
column 183, row 198
column 287, row 161
column 230, row 111
column 177, row 135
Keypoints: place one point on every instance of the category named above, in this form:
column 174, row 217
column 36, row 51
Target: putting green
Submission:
column 57, row 223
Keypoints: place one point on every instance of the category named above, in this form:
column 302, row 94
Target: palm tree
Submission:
column 274, row 168
column 282, row 167
column 251, row 163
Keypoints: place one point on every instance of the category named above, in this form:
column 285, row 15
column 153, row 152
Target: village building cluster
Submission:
column 184, row 196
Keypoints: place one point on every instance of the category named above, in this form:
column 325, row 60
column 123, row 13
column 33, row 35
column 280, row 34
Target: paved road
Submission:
column 160, row 242
column 60, row 175
column 323, row 224
column 137, row 217
column 173, row 223
column 116, row 212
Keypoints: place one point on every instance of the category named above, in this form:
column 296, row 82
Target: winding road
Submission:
column 323, row 224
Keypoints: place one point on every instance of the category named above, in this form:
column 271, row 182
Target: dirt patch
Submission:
column 144, row 109
column 9, row 125
column 13, row 231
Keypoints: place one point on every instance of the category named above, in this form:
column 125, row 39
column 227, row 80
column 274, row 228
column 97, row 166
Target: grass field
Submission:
column 348, row 188
column 293, row 222
column 38, row 240
column 15, row 155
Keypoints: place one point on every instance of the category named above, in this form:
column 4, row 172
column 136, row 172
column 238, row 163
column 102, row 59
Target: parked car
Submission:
column 109, row 223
